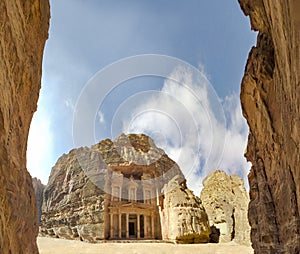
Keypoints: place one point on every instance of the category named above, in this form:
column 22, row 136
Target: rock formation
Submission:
column 24, row 30
column 38, row 189
column 72, row 205
column 124, row 189
column 270, row 99
column 183, row 215
column 226, row 200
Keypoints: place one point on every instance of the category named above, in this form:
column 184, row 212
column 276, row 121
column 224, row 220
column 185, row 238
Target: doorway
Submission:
column 132, row 226
column 131, row 229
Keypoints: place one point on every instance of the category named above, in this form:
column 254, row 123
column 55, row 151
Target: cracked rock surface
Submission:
column 23, row 32
column 270, row 97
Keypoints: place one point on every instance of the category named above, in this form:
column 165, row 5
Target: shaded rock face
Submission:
column 38, row 189
column 124, row 189
column 270, row 99
column 24, row 30
column 226, row 200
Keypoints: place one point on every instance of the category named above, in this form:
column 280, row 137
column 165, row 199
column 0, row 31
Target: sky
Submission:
column 192, row 110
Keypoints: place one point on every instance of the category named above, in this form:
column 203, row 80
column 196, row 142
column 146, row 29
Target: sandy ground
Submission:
column 60, row 246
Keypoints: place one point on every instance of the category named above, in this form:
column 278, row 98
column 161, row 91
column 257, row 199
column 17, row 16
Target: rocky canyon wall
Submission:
column 23, row 32
column 38, row 190
column 73, row 206
column 270, row 97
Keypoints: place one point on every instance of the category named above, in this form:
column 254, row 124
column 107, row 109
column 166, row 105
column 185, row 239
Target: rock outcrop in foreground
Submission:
column 226, row 200
column 23, row 32
column 126, row 189
column 270, row 99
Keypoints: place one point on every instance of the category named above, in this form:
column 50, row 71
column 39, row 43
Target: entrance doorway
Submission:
column 132, row 232
column 132, row 226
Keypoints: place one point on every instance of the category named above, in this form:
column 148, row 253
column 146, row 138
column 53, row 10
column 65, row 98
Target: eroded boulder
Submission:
column 226, row 200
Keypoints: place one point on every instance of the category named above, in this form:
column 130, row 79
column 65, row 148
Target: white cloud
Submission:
column 101, row 117
column 183, row 119
column 40, row 147
column 233, row 159
column 69, row 104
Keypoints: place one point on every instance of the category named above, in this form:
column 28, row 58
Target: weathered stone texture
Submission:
column 72, row 205
column 270, row 99
column 226, row 200
column 78, row 196
column 23, row 32
column 183, row 215
column 38, row 189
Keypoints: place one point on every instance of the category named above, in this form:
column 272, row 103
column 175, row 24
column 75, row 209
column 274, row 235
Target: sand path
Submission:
column 61, row 246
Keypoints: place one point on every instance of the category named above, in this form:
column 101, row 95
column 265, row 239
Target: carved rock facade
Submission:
column 126, row 189
column 270, row 99
column 226, row 200
column 23, row 32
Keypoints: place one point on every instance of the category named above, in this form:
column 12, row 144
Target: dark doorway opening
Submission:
column 131, row 230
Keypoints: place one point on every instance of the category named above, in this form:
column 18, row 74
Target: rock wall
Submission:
column 38, row 190
column 226, row 200
column 23, row 32
column 270, row 99
column 72, row 205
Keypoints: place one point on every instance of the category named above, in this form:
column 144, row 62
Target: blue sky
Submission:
column 86, row 36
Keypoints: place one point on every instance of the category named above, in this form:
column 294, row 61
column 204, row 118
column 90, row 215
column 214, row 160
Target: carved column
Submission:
column 127, row 225
column 146, row 227
column 138, row 227
column 120, row 225
column 152, row 226
column 111, row 225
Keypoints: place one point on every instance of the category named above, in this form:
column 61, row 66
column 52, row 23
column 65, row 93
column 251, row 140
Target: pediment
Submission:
column 134, row 205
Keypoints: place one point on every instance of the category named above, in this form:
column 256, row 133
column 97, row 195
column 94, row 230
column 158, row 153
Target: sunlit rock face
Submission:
column 23, row 32
column 270, row 99
column 122, row 189
column 226, row 200
column 183, row 215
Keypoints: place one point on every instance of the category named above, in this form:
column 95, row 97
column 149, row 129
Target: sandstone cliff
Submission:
column 72, row 205
column 23, row 32
column 226, row 200
column 79, row 197
column 38, row 189
column 270, row 99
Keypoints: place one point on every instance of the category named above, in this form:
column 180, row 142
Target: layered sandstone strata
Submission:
column 226, row 200
column 23, row 32
column 270, row 99
column 122, row 189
